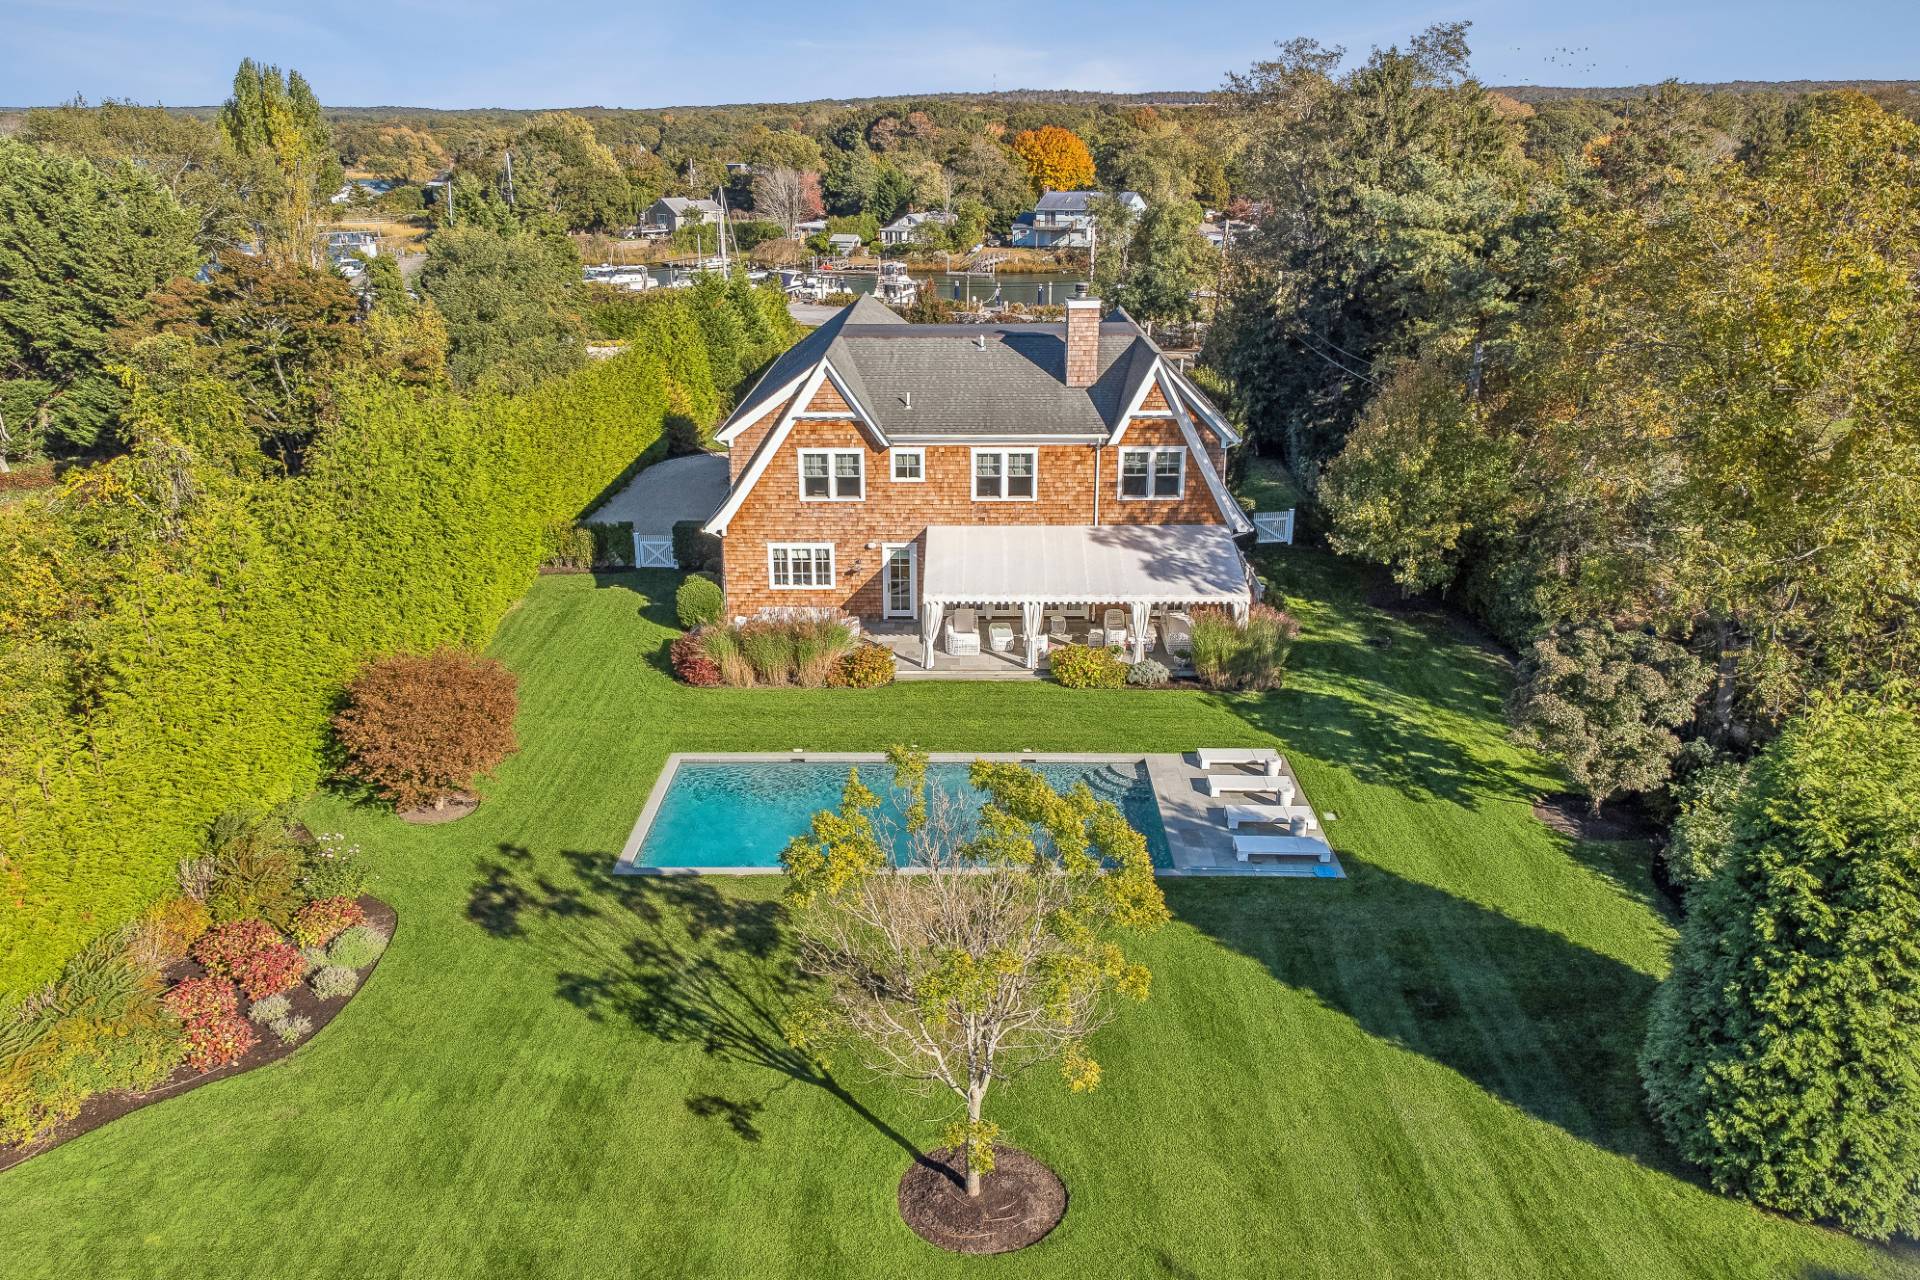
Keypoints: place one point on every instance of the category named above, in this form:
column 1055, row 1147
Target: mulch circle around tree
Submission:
column 457, row 807
column 103, row 1108
column 1019, row 1202
column 1572, row 815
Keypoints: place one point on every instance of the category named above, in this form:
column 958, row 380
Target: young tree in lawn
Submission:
column 1604, row 703
column 419, row 729
column 1783, row 1052
column 992, row 944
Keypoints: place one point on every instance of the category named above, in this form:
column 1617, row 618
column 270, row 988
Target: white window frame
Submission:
column 814, row 549
column 1153, row 454
column 893, row 465
column 833, row 474
column 973, row 474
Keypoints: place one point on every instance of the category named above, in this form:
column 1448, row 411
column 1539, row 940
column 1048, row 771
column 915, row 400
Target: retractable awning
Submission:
column 1083, row 564
column 1033, row 565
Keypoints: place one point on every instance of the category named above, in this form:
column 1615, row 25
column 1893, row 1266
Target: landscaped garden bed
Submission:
column 306, row 1009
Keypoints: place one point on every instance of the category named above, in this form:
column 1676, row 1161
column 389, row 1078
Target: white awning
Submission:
column 1083, row 564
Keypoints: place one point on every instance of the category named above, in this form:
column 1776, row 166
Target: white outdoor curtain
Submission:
column 931, row 613
column 1030, row 615
column 1140, row 610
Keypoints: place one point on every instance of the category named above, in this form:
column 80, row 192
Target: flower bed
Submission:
column 169, row 1003
column 813, row 652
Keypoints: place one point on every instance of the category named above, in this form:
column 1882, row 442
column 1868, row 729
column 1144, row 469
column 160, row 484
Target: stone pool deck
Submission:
column 1196, row 826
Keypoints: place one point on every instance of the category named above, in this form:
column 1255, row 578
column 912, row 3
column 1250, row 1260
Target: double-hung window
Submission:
column 1153, row 473
column 832, row 475
column 909, row 465
column 1005, row 475
column 800, row 565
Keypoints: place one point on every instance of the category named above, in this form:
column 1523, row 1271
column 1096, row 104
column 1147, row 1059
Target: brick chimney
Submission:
column 1083, row 341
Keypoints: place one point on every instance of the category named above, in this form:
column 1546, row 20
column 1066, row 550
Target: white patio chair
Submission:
column 1057, row 629
column 1179, row 634
column 1114, row 626
column 963, row 633
column 1000, row 636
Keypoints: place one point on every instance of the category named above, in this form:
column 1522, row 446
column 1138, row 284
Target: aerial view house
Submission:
column 670, row 213
column 1064, row 219
column 1014, row 484
column 910, row 228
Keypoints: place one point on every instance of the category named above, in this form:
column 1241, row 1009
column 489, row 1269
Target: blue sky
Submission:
column 444, row 53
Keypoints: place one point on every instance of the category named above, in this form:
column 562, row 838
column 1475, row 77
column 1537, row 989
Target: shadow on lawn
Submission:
column 1528, row 1016
column 670, row 955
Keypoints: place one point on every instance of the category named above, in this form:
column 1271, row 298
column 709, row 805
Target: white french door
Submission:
column 901, row 580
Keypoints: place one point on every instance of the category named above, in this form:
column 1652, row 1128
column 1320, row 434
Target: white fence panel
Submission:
column 1273, row 526
column 652, row 553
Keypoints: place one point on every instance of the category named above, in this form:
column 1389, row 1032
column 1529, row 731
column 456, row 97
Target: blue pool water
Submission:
column 742, row 815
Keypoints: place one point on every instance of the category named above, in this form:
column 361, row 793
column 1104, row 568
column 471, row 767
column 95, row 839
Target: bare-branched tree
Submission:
column 953, row 949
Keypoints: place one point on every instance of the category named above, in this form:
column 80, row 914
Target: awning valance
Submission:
column 1083, row 564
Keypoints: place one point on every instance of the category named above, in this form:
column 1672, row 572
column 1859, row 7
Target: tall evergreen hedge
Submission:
column 173, row 635
column 1783, row 1051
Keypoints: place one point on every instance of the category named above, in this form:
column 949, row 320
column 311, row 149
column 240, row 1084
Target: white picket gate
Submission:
column 1273, row 526
column 651, row 552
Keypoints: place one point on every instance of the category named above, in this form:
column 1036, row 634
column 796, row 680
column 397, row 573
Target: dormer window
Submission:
column 832, row 475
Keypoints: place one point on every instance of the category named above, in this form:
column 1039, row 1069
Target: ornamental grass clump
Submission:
column 1252, row 654
column 818, row 646
column 769, row 650
column 292, row 1028
column 420, row 728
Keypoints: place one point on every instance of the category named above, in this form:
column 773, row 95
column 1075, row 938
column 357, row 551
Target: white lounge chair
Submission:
column 1057, row 629
column 1220, row 784
column 1297, row 816
column 1178, row 634
column 1266, row 757
column 1000, row 636
column 1114, row 625
column 1245, row 847
column 963, row 633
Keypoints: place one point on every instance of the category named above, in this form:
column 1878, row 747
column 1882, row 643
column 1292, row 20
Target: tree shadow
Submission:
column 1531, row 1017
column 671, row 956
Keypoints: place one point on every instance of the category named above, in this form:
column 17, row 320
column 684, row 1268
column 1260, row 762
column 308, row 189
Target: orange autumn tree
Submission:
column 1056, row 158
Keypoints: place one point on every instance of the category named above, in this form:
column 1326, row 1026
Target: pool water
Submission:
column 717, row 814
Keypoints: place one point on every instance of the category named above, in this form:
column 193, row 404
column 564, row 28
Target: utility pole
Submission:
column 509, row 177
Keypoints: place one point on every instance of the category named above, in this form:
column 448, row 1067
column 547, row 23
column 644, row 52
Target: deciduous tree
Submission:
column 955, row 951
column 419, row 729
column 1056, row 159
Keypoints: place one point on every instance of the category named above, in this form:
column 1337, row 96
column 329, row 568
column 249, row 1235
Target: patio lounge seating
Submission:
column 1220, row 784
column 963, row 633
column 1245, row 847
column 1298, row 817
column 1057, row 628
column 1114, row 625
column 1266, row 757
column 1179, row 634
column 1000, row 636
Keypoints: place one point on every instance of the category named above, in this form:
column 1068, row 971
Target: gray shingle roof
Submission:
column 1074, row 201
column 920, row 380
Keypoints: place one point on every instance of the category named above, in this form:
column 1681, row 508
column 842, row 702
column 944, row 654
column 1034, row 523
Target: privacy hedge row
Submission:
column 174, row 632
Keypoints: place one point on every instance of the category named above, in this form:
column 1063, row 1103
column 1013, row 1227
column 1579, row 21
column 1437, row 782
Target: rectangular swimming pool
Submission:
column 737, row 815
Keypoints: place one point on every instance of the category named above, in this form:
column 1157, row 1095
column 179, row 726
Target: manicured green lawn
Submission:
column 1422, row 1070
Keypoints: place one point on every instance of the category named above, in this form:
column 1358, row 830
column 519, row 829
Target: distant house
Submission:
column 843, row 243
column 1064, row 219
column 910, row 228
column 812, row 226
column 670, row 213
column 345, row 244
column 354, row 186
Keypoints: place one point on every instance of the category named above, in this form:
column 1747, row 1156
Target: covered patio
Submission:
column 1070, row 583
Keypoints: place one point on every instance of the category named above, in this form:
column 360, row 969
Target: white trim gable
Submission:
column 1204, row 410
column 1134, row 410
column 1222, row 500
column 764, row 458
column 728, row 435
column 867, row 421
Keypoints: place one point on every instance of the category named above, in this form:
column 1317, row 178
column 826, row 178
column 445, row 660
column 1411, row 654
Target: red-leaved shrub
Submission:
column 318, row 921
column 419, row 729
column 269, row 971
column 195, row 999
column 224, row 944
column 690, row 661
column 218, row 1039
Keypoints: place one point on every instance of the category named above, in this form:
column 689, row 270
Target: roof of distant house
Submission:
column 680, row 204
column 1078, row 201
